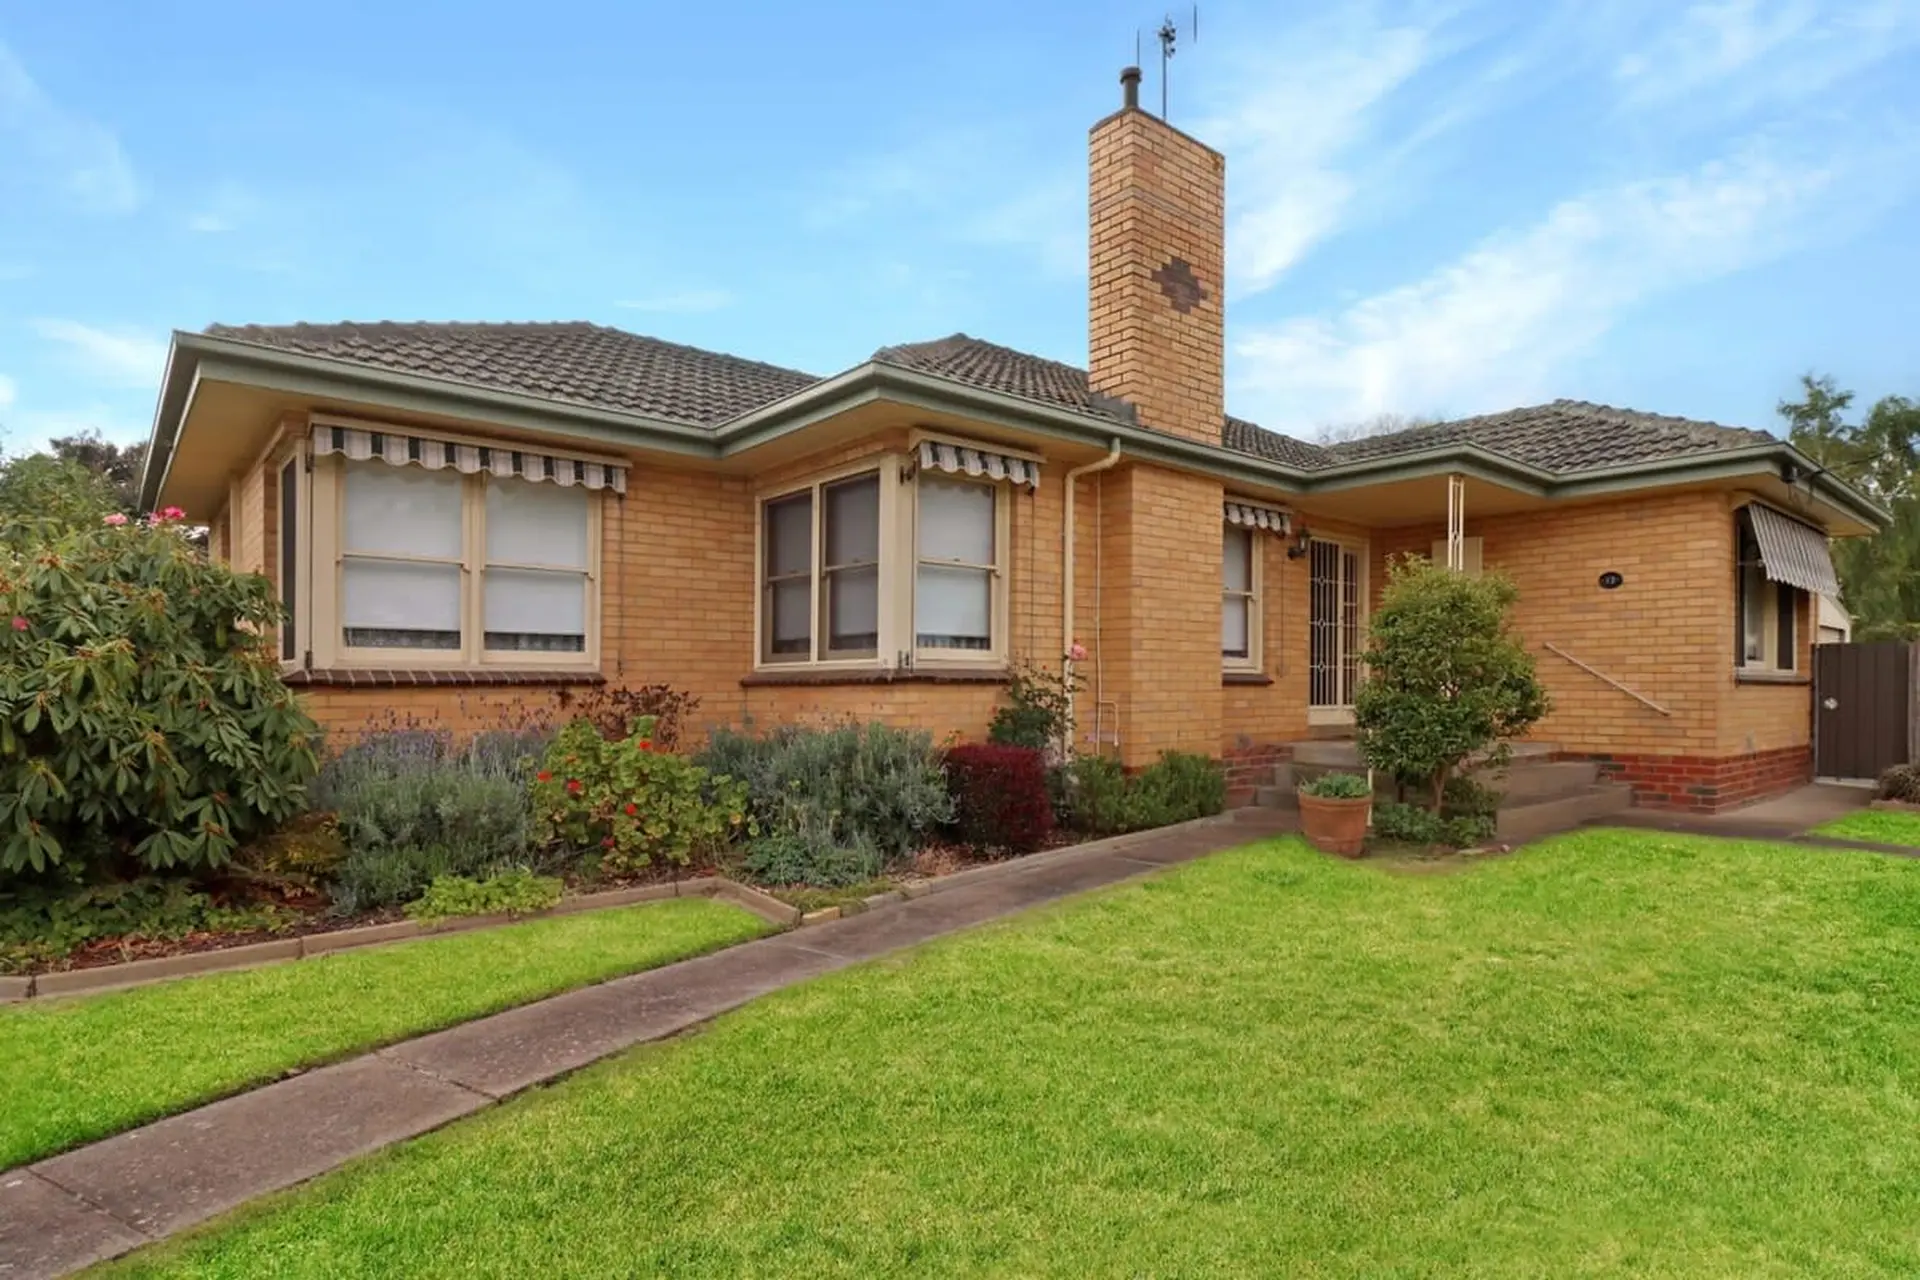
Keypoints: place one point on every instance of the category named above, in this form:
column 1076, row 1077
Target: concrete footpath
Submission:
column 129, row 1190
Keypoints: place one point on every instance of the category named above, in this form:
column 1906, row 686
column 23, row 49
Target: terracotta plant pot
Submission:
column 1335, row 826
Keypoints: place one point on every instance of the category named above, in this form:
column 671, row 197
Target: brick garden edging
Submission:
column 138, row 973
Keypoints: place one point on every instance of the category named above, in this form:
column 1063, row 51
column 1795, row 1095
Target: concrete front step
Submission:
column 1517, row 824
column 1344, row 753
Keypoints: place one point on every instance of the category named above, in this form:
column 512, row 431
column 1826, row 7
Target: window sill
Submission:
column 1228, row 678
column 875, row 675
column 1742, row 676
column 389, row 677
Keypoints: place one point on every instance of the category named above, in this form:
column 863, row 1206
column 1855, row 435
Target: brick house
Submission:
column 462, row 517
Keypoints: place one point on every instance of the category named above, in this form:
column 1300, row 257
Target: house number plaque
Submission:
column 1609, row 580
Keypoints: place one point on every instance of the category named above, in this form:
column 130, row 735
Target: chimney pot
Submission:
column 1130, row 87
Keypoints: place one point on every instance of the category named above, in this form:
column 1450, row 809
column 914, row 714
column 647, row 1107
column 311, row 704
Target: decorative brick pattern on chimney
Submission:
column 1157, row 256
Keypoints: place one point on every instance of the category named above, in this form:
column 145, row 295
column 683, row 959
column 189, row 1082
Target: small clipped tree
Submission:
column 1446, row 676
column 142, row 714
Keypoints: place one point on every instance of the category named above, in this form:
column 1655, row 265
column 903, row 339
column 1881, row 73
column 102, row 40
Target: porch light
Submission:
column 1301, row 538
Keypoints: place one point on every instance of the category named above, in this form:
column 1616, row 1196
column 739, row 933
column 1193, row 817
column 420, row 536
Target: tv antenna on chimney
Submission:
column 1169, row 35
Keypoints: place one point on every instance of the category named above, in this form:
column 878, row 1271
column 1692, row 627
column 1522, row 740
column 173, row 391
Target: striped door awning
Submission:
column 400, row 450
column 1254, row 516
column 958, row 459
column 1792, row 552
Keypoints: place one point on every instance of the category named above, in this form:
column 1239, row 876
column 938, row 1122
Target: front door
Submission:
column 1333, row 629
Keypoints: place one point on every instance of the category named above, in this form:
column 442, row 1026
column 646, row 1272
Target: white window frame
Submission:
column 326, row 505
column 1256, row 559
column 898, row 646
column 887, row 467
column 1768, row 662
column 995, row 654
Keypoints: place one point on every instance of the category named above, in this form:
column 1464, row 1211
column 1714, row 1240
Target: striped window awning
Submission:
column 399, row 449
column 1254, row 516
column 958, row 459
column 1792, row 552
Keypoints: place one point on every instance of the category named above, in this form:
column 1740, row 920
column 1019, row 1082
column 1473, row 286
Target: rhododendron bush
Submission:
column 142, row 715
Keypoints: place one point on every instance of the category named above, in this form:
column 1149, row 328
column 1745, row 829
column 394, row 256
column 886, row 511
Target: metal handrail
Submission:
column 1598, row 674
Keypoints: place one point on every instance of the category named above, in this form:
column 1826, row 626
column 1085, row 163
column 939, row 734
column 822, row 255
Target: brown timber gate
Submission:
column 1862, row 708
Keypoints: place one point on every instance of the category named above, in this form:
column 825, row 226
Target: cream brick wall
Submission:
column 1666, row 632
column 1155, row 196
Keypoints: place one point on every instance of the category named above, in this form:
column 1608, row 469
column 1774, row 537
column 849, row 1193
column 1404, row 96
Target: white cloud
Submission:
column 9, row 389
column 1296, row 121
column 1047, row 218
column 127, row 356
column 1495, row 327
column 1736, row 55
column 685, row 302
column 46, row 143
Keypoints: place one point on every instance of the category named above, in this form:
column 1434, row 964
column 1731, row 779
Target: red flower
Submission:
column 607, row 843
column 573, row 786
column 19, row 623
column 632, row 809
column 646, row 744
column 545, row 775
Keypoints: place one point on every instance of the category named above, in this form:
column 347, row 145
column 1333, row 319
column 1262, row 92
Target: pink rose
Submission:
column 116, row 519
column 1078, row 652
column 19, row 623
column 172, row 513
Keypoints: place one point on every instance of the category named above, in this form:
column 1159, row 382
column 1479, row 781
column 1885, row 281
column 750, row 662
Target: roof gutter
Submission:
column 194, row 357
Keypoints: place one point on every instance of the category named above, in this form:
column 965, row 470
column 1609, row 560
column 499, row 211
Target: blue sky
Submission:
column 1437, row 208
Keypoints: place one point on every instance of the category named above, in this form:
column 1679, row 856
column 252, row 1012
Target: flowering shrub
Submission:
column 999, row 797
column 631, row 802
column 1039, row 709
column 142, row 713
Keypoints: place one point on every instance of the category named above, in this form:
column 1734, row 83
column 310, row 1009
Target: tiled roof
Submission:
column 586, row 364
column 997, row 368
column 593, row 365
column 1565, row 436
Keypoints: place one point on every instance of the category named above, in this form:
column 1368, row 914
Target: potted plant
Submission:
column 1334, row 808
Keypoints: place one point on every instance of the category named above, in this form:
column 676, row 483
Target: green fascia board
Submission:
column 875, row 381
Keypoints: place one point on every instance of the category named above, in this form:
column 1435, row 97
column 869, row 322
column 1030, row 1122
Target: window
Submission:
column 534, row 588
column 957, row 563
column 1240, row 601
column 847, row 571
column 402, row 553
column 788, row 612
column 850, row 568
column 289, row 556
column 1767, row 637
column 441, row 568
column 885, row 566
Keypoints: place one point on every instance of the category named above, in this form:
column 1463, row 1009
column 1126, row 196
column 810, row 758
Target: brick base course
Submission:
column 1704, row 784
column 1249, row 767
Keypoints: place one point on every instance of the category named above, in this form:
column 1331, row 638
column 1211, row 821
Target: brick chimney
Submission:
column 1157, row 255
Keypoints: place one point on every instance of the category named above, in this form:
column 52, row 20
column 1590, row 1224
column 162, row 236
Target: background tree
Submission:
column 42, row 495
column 1446, row 676
column 1879, row 576
column 118, row 464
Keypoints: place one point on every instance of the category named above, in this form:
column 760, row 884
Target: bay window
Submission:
column 890, row 566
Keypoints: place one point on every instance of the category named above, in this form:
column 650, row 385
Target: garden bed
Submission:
column 157, row 959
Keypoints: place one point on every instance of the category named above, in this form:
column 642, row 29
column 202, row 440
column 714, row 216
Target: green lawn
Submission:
column 1614, row 1053
column 78, row 1069
column 1881, row 826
